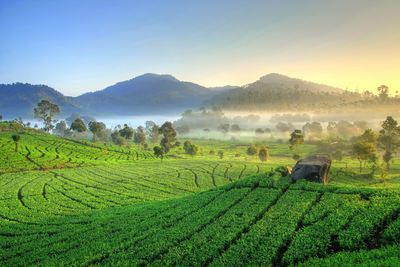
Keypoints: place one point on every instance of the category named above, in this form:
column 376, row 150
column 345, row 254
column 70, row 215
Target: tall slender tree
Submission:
column 169, row 136
column 389, row 139
column 45, row 110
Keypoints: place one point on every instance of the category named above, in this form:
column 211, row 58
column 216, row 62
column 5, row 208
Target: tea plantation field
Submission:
column 84, row 204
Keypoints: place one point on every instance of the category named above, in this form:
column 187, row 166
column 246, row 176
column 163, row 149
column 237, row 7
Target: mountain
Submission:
column 148, row 93
column 162, row 94
column 145, row 94
column 19, row 99
column 276, row 92
column 279, row 80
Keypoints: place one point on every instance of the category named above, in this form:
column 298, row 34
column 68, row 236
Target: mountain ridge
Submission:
column 152, row 93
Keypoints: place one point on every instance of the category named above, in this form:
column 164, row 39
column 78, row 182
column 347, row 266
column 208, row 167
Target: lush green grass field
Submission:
column 64, row 202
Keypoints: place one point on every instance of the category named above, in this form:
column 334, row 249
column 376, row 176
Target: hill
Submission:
column 275, row 92
column 145, row 94
column 68, row 202
column 282, row 81
column 19, row 99
column 260, row 220
column 164, row 94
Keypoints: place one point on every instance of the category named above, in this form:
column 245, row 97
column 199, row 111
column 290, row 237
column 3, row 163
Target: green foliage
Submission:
column 169, row 136
column 383, row 92
column 139, row 136
column 61, row 128
column 154, row 134
column 220, row 154
column 389, row 139
column 159, row 152
column 126, row 132
column 117, row 138
column 16, row 139
column 97, row 129
column 296, row 139
column 45, row 110
column 78, row 125
column 313, row 130
column 224, row 128
column 99, row 204
column 252, row 150
column 190, row 149
column 263, row 154
column 364, row 149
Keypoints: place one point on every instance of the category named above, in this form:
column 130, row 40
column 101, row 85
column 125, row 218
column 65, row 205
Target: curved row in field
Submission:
column 50, row 152
column 260, row 220
column 28, row 196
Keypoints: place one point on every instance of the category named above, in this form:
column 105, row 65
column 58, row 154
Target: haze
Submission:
column 79, row 46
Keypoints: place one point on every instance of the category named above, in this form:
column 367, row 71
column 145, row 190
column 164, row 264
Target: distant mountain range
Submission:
column 148, row 94
column 18, row 100
column 161, row 94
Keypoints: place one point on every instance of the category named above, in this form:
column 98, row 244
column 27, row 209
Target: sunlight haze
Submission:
column 78, row 46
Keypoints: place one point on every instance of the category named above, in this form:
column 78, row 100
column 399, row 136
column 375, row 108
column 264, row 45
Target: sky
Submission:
column 80, row 46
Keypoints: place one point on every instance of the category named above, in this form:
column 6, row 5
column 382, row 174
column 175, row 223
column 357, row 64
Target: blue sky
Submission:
column 80, row 46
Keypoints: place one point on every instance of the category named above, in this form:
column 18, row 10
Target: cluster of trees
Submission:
column 367, row 147
column 262, row 152
column 201, row 119
column 226, row 127
column 284, row 97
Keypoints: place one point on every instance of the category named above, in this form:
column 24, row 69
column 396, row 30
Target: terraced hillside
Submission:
column 43, row 151
column 259, row 220
column 34, row 195
column 64, row 202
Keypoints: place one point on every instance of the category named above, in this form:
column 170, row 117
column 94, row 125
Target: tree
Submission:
column 139, row 136
column 224, row 128
column 296, row 139
column 159, row 152
column 45, row 110
column 117, row 138
column 332, row 128
column 16, row 139
column 126, row 132
column 252, row 150
column 190, row 149
column 383, row 92
column 221, row 154
column 263, row 154
column 78, row 125
column 313, row 130
column 364, row 147
column 154, row 133
column 1, row 117
column 260, row 131
column 61, row 128
column 235, row 128
column 97, row 128
column 389, row 139
column 169, row 136
column 364, row 151
column 284, row 127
